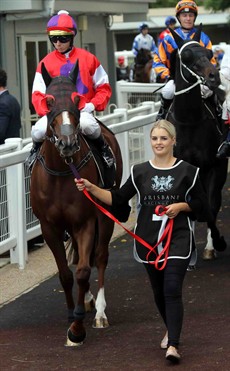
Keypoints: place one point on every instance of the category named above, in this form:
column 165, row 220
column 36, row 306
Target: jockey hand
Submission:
column 89, row 107
column 205, row 91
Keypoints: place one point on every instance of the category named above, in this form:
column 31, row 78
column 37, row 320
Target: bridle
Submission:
column 200, row 79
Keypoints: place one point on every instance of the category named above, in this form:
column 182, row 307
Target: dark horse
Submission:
column 60, row 207
column 198, row 130
column 143, row 66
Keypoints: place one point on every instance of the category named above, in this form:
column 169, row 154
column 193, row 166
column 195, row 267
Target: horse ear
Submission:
column 45, row 74
column 177, row 38
column 74, row 73
column 196, row 37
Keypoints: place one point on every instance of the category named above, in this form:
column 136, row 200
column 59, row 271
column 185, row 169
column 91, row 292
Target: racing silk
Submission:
column 143, row 42
column 161, row 62
column 162, row 35
column 92, row 81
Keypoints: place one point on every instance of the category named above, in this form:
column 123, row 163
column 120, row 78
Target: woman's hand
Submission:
column 82, row 184
column 101, row 194
column 174, row 209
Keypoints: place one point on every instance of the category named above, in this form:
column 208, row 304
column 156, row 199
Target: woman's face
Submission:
column 161, row 142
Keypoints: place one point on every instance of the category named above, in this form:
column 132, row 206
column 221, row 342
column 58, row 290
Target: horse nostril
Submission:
column 211, row 76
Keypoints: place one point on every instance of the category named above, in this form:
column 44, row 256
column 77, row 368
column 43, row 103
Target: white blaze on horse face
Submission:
column 65, row 118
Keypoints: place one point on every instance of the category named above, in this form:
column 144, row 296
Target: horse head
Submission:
column 194, row 60
column 63, row 117
column 143, row 56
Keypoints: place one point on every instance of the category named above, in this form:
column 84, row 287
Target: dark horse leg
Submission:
column 217, row 179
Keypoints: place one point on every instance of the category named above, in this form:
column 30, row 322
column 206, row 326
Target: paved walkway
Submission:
column 41, row 266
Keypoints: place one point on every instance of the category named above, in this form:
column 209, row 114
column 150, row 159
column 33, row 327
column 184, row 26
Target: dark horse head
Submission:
column 143, row 66
column 63, row 117
column 194, row 60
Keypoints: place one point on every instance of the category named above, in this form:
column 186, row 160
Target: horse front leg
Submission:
column 56, row 245
column 76, row 333
column 215, row 242
column 85, row 240
column 216, row 181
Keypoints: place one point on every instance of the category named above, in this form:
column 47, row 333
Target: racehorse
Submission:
column 143, row 66
column 198, row 130
column 61, row 208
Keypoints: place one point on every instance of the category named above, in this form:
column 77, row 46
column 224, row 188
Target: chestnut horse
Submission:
column 60, row 207
column 199, row 132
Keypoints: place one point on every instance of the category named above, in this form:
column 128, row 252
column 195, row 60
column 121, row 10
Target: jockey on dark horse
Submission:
column 186, row 13
column 92, row 84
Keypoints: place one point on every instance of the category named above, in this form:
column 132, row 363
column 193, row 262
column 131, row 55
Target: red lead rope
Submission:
column 159, row 210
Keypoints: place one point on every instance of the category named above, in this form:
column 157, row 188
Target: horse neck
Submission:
column 188, row 105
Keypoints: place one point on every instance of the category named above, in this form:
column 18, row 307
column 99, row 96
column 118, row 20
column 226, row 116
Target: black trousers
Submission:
column 167, row 289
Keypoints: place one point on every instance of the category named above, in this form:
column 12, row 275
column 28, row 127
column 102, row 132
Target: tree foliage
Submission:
column 217, row 4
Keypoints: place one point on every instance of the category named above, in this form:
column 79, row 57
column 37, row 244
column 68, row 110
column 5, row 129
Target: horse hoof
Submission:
column 191, row 268
column 209, row 254
column 90, row 305
column 75, row 340
column 221, row 245
column 100, row 323
column 70, row 343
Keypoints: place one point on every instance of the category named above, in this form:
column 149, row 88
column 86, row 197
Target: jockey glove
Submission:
column 89, row 107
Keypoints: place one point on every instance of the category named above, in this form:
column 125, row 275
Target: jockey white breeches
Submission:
column 88, row 125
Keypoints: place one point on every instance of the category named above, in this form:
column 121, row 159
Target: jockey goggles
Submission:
column 63, row 39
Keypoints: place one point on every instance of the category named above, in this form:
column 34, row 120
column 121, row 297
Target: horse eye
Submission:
column 187, row 56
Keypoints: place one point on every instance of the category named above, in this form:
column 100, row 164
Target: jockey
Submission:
column 186, row 13
column 143, row 40
column 169, row 22
column 92, row 84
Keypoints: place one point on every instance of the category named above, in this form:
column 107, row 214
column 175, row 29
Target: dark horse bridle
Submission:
column 65, row 104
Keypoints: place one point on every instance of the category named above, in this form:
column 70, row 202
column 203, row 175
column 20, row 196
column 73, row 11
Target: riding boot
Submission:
column 33, row 154
column 165, row 104
column 104, row 150
column 224, row 149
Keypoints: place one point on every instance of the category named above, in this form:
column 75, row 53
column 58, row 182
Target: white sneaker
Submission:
column 172, row 355
column 164, row 342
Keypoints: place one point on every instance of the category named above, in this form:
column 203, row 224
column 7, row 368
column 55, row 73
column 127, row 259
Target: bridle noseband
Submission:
column 200, row 79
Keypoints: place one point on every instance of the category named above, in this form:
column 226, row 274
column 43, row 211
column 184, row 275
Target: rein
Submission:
column 160, row 211
column 200, row 79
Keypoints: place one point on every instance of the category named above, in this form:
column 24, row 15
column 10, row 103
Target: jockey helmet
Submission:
column 170, row 20
column 186, row 6
column 62, row 24
column 143, row 26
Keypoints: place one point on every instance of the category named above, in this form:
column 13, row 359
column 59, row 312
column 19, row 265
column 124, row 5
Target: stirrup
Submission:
column 32, row 155
column 109, row 160
column 224, row 150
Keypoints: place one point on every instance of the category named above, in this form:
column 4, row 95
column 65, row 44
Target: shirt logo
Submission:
column 162, row 184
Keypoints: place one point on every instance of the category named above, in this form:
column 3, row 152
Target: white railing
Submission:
column 133, row 93
column 18, row 224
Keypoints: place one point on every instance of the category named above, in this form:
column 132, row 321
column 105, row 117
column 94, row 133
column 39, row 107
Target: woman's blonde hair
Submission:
column 166, row 125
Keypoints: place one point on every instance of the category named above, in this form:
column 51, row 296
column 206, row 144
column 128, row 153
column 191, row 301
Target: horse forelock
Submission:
column 61, row 88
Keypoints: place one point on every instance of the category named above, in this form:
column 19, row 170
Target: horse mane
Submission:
column 173, row 63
